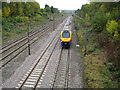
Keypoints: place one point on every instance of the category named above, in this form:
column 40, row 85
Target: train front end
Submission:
column 66, row 38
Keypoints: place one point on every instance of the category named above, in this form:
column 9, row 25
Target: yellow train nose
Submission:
column 65, row 39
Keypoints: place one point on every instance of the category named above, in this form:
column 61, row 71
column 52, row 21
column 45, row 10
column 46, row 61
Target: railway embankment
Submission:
column 98, row 72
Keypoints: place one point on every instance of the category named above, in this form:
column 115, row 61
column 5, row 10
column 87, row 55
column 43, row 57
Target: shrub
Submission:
column 112, row 27
column 37, row 17
column 6, row 11
column 21, row 18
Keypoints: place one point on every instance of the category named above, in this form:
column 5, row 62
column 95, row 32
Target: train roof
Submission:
column 66, row 31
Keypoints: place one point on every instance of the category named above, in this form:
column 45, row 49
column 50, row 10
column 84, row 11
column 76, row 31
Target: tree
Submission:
column 47, row 9
column 46, row 6
column 52, row 9
column 99, row 21
column 20, row 9
column 6, row 11
column 36, row 7
column 27, row 9
column 13, row 8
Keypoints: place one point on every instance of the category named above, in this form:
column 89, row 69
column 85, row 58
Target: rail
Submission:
column 14, row 47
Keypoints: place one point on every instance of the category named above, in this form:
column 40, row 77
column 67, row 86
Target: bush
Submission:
column 112, row 27
column 37, row 17
column 19, row 31
column 21, row 18
column 5, row 35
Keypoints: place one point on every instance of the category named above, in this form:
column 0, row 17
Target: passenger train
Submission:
column 66, row 38
column 66, row 35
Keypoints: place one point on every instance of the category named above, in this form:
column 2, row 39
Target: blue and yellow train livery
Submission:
column 66, row 38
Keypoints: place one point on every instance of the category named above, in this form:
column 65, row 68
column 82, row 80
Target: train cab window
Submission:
column 66, row 34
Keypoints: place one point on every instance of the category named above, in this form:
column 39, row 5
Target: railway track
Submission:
column 43, row 73
column 15, row 48
column 62, row 73
column 36, row 72
column 51, row 67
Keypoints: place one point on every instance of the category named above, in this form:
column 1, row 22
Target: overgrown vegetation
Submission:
column 98, row 30
column 17, row 15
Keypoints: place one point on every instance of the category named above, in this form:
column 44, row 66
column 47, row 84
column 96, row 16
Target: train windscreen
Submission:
column 66, row 34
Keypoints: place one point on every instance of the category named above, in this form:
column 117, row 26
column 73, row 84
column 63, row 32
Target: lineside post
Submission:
column 86, row 40
column 28, row 40
column 53, row 23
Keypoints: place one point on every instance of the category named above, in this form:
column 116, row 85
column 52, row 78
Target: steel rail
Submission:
column 42, row 33
column 38, row 60
column 22, row 83
column 18, row 47
column 57, row 69
column 6, row 47
column 51, row 70
column 16, row 42
column 65, row 78
column 20, row 51
column 13, row 42
column 67, row 72
column 45, row 65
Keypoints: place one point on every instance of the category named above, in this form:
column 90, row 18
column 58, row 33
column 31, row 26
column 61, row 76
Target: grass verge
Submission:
column 13, row 28
column 97, row 72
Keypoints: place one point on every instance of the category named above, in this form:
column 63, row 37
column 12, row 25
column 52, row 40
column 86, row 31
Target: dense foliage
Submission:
column 16, row 16
column 25, row 9
column 100, row 24
column 103, row 20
